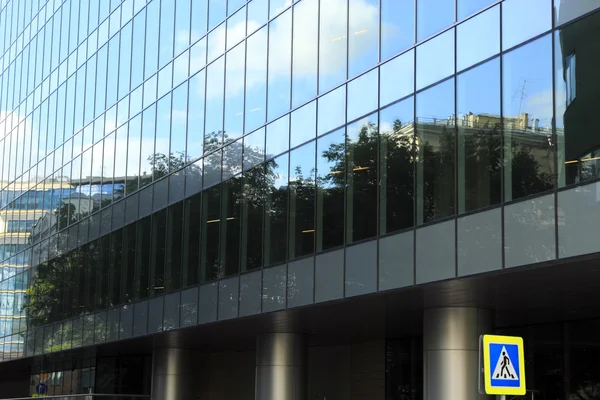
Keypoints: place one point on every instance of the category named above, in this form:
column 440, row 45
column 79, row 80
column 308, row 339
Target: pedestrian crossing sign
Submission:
column 503, row 365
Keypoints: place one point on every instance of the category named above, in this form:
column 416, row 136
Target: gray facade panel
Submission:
column 579, row 220
column 436, row 249
column 273, row 289
column 480, row 242
column 396, row 261
column 329, row 276
column 529, row 232
column 301, row 278
column 361, row 269
column 207, row 303
column 250, row 287
column 228, row 298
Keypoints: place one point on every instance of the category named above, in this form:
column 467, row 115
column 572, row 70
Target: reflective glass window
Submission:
column 397, row 26
column 565, row 11
column 363, row 35
column 396, row 166
column 258, row 14
column 167, row 26
column 254, row 149
column 361, row 181
column 397, row 78
column 333, row 44
column 137, row 54
column 276, row 210
column 231, row 196
column 236, row 28
column 517, row 26
column 435, row 144
column 280, row 59
column 362, row 95
column 305, row 52
column 152, row 39
column 216, row 42
column 469, row 7
column 302, row 200
column 253, row 213
column 182, row 25
column 199, row 19
column 435, row 59
column 215, row 80
column 527, row 119
column 216, row 12
column 191, row 240
column 303, row 124
column 195, row 116
column 576, row 87
column 256, row 80
column 210, row 266
column 433, row 16
column 234, row 92
column 178, row 117
column 332, row 110
column 158, row 253
column 478, row 38
column 278, row 137
column 174, row 233
column 478, row 122
column 331, row 183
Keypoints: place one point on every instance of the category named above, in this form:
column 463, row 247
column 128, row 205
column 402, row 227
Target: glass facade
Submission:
column 149, row 147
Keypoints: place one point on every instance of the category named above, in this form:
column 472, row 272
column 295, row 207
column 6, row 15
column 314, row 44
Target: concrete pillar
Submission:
column 281, row 361
column 451, row 352
column 171, row 374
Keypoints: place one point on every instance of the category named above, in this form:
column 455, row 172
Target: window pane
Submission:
column 397, row 78
column 234, row 93
column 479, row 159
column 517, row 24
column 361, row 183
column 362, row 95
column 278, row 136
column 210, row 267
column 236, row 28
column 151, row 42
column 254, row 149
column 304, row 124
column 167, row 26
column 256, row 80
column 435, row 145
column 363, row 47
column 178, row 119
column 258, row 14
column 331, row 181
column 254, row 192
column 305, row 63
column 577, row 86
column 429, row 21
column 332, row 44
column 469, row 7
column 302, row 200
column 195, row 117
column 230, row 226
column 332, row 110
column 199, row 19
column 478, row 38
column 527, row 119
column 396, row 130
column 438, row 52
column 276, row 211
column 191, row 240
column 217, row 13
column 142, row 267
column 182, row 24
column 215, row 78
column 157, row 269
column 174, row 242
column 565, row 11
column 397, row 26
column 280, row 59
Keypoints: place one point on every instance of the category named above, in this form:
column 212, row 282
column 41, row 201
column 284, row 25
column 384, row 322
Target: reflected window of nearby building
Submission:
column 21, row 226
column 571, row 83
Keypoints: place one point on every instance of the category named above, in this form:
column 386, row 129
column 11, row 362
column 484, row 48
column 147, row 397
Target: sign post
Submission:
column 502, row 366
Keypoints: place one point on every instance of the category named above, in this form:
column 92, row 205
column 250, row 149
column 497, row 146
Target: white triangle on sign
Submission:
column 504, row 367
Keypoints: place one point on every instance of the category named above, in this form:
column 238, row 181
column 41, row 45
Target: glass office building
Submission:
column 280, row 199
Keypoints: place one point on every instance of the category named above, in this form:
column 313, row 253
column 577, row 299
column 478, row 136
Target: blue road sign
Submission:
column 504, row 365
column 41, row 388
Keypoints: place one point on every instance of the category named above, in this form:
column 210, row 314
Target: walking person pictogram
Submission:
column 504, row 371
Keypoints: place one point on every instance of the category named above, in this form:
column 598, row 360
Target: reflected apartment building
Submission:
column 317, row 199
